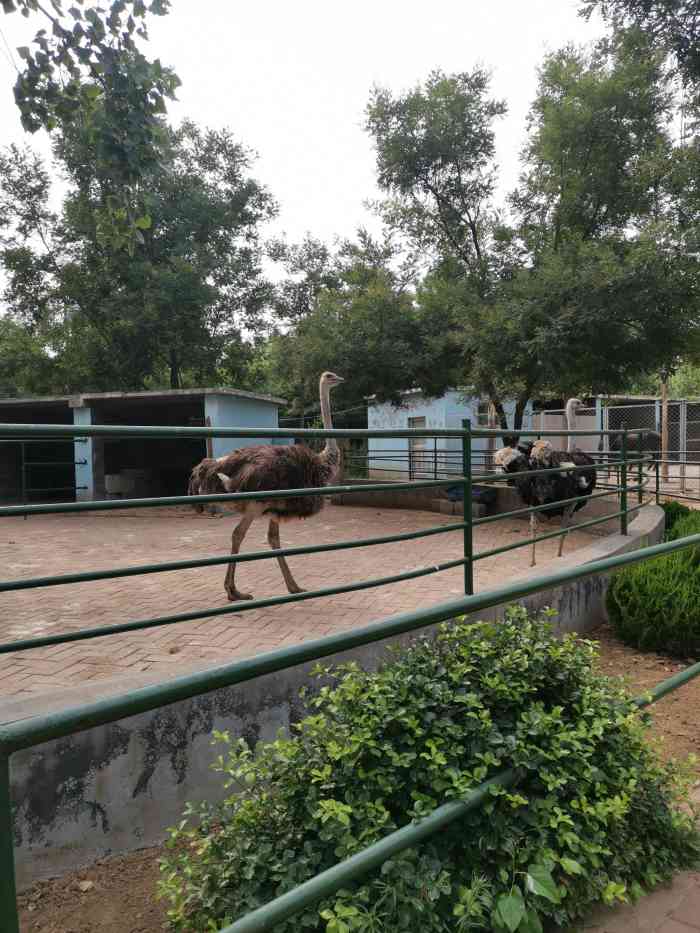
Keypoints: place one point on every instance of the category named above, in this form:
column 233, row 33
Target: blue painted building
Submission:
column 422, row 458
column 121, row 467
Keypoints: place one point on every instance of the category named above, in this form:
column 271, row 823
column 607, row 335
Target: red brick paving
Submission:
column 54, row 544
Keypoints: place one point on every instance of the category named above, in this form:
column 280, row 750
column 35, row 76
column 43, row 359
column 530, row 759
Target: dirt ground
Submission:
column 117, row 895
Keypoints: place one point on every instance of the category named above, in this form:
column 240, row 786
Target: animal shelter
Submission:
column 429, row 457
column 53, row 469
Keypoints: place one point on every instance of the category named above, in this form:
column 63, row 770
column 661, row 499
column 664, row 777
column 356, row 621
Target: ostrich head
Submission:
column 510, row 459
column 330, row 381
column 540, row 452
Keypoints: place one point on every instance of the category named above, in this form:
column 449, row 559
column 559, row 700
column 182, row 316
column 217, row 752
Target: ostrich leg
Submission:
column 273, row 538
column 565, row 522
column 533, row 535
column 239, row 533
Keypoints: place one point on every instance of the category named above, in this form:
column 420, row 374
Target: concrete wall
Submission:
column 383, row 450
column 446, row 412
column 228, row 411
column 90, row 474
column 116, row 788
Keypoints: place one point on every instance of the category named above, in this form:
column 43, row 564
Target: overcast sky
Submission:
column 292, row 81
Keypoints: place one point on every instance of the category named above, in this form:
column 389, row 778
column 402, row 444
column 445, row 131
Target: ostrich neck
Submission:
column 571, row 426
column 330, row 451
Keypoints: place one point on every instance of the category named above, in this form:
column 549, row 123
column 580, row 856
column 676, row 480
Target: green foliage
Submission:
column 655, row 605
column 594, row 816
column 87, row 71
column 590, row 227
column 351, row 313
column 435, row 157
column 171, row 314
column 673, row 25
column 674, row 512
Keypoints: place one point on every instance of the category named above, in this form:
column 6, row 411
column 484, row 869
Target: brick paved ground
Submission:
column 54, row 544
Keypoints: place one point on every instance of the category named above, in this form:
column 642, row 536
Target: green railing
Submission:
column 29, row 733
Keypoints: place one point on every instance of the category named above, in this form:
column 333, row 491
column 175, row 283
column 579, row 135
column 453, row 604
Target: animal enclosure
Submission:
column 26, row 734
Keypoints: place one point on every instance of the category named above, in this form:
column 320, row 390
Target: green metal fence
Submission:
column 29, row 733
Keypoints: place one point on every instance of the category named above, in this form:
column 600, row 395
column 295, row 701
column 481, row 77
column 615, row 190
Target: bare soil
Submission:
column 117, row 895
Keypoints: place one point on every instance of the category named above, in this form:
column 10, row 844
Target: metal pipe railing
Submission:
column 28, row 733
column 90, row 576
column 106, row 505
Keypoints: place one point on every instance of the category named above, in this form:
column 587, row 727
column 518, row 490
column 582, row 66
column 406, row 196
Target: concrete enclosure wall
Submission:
column 449, row 411
column 226, row 411
column 116, row 788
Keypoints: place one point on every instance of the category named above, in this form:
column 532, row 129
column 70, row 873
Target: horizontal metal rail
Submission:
column 328, row 882
column 505, row 477
column 133, row 430
column 246, row 605
column 106, row 505
column 554, row 534
column 487, row 519
column 91, row 575
column 360, row 864
column 27, row 733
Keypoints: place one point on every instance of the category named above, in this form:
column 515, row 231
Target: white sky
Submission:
column 292, row 81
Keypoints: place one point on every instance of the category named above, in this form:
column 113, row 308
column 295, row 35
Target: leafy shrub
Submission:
column 655, row 605
column 594, row 817
column 674, row 511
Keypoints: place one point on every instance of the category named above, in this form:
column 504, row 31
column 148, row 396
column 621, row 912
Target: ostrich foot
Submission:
column 234, row 595
column 295, row 588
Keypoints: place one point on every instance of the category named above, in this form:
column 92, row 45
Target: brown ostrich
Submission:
column 253, row 469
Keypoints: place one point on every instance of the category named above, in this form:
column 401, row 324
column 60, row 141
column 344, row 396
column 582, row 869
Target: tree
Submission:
column 597, row 146
column 170, row 312
column 360, row 323
column 435, row 150
column 673, row 25
column 88, row 72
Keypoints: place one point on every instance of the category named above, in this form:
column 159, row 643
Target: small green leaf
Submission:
column 143, row 223
column 539, row 880
column 510, row 909
column 572, row 867
column 531, row 922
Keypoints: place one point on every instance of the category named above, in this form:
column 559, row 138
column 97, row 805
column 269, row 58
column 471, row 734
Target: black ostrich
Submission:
column 550, row 488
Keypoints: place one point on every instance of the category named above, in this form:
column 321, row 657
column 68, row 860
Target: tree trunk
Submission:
column 175, row 382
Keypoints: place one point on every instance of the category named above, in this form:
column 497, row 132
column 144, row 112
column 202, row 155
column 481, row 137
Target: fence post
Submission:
column 9, row 920
column 683, row 440
column 623, row 484
column 640, row 472
column 656, row 464
column 467, row 506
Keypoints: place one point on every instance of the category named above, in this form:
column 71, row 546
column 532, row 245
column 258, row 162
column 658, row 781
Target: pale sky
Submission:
column 292, row 81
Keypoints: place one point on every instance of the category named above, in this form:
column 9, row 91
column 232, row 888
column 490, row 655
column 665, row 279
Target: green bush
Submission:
column 595, row 816
column 655, row 605
column 674, row 511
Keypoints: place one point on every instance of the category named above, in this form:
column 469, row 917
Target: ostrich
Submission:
column 644, row 440
column 267, row 467
column 550, row 488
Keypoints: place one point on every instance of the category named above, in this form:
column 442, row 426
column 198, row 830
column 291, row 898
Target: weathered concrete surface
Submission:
column 116, row 788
